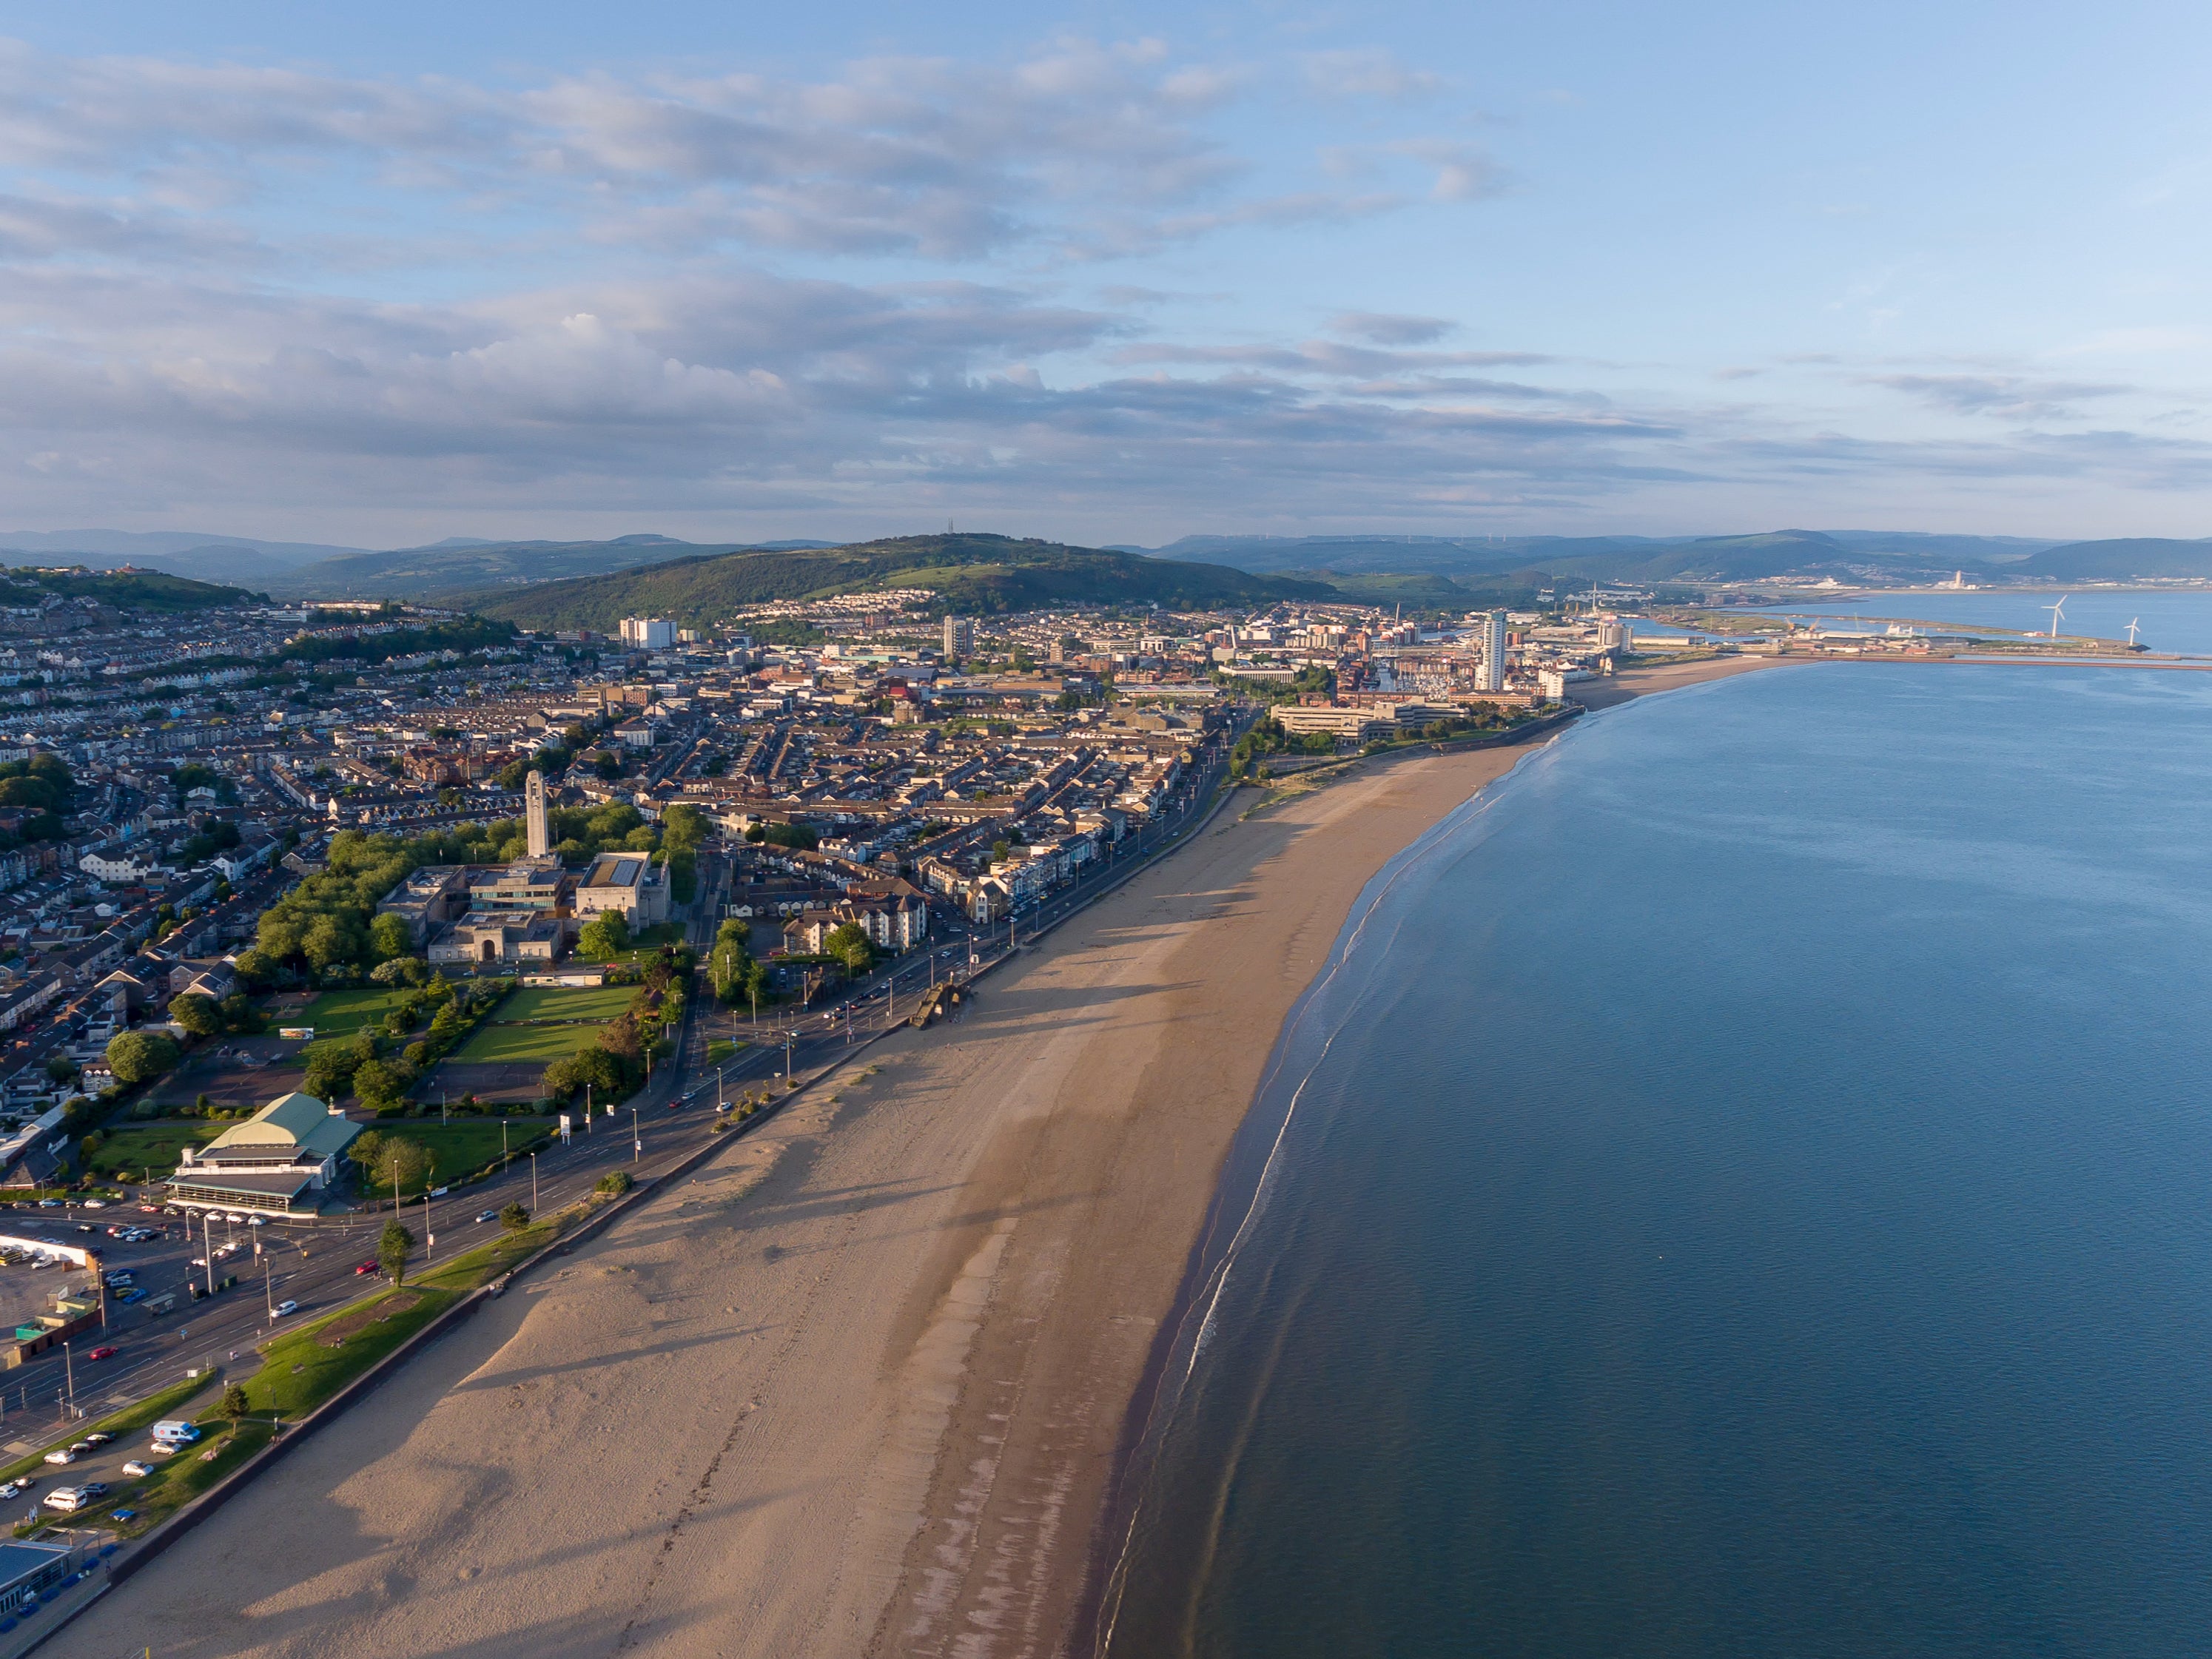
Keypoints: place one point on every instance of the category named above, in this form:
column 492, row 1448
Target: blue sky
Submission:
column 1119, row 273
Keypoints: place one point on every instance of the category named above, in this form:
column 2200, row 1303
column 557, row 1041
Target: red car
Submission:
column 101, row 1353
column 364, row 1267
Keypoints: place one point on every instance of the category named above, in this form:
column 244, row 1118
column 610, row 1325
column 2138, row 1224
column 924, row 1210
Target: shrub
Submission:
column 615, row 1183
column 514, row 1217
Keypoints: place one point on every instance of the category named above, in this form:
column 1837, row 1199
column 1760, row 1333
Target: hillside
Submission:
column 1506, row 564
column 2118, row 560
column 423, row 573
column 978, row 574
column 136, row 590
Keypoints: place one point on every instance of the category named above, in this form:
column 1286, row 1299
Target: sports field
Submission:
column 341, row 1013
column 592, row 1002
column 492, row 1044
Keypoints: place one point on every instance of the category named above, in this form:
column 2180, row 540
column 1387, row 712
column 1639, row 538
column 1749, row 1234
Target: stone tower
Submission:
column 541, row 835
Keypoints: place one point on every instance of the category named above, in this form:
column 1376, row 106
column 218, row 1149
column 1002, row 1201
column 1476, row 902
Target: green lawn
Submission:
column 465, row 1144
column 131, row 1153
column 492, row 1044
column 592, row 1002
column 668, row 932
column 341, row 1013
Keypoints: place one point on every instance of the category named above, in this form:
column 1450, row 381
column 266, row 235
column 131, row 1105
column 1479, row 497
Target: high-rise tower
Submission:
column 1493, row 651
column 540, row 832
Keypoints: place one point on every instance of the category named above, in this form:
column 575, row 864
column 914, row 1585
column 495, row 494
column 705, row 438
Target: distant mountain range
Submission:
column 971, row 573
column 1418, row 571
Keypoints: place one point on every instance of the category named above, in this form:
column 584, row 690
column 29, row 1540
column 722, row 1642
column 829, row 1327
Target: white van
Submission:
column 174, row 1433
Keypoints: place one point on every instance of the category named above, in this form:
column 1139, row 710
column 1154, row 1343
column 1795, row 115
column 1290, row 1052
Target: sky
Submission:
column 1112, row 273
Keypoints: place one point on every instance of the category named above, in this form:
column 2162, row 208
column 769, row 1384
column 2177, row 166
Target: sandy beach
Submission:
column 856, row 1388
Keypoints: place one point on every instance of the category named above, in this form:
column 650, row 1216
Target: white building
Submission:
column 630, row 883
column 1493, row 651
column 125, row 867
column 959, row 638
column 649, row 633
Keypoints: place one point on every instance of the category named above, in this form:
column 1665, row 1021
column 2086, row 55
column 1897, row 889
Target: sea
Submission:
column 1743, row 1186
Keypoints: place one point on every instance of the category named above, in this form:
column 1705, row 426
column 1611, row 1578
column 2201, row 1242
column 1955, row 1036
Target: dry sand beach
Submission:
column 857, row 1388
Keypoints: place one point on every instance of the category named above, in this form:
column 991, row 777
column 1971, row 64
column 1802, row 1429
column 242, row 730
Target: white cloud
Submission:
column 1368, row 72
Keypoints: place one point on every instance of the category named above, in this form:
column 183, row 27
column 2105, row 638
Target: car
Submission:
column 15, row 1489
column 134, row 1294
column 488, row 1215
column 136, row 1466
column 95, row 1203
column 103, row 1351
column 80, row 1446
column 99, row 1437
column 49, row 1203
column 61, row 1454
column 287, row 1306
column 126, row 1277
column 256, row 1221
column 364, row 1267
column 123, row 1515
column 66, row 1499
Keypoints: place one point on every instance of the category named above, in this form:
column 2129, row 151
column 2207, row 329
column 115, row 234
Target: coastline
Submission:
column 862, row 1386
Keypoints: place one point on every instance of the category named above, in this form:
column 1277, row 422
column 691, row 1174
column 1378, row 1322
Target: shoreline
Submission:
column 861, row 1384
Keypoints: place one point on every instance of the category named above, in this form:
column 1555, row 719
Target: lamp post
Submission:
column 268, row 1290
column 430, row 1238
column 534, row 1184
column 207, row 1248
column 69, row 1371
column 636, row 1139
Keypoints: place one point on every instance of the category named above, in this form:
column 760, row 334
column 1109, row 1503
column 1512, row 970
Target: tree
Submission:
column 604, row 937
column 390, row 937
column 197, row 1014
column 136, row 1056
column 379, row 1085
column 514, row 1217
column 60, row 1067
column 615, row 1182
column 233, row 1404
column 849, row 943
column 393, row 1250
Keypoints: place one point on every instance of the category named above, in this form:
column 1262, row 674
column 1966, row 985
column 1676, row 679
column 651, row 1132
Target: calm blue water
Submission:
column 2178, row 621
column 1749, row 1192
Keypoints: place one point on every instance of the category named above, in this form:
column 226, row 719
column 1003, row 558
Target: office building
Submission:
column 649, row 633
column 959, row 638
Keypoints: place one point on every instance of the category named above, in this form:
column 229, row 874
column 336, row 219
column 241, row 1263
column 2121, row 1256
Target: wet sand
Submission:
column 856, row 1388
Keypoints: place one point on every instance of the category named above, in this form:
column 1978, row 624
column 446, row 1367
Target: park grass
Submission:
column 644, row 944
column 586, row 1002
column 464, row 1145
column 155, row 1145
column 507, row 1044
column 720, row 1049
column 341, row 1013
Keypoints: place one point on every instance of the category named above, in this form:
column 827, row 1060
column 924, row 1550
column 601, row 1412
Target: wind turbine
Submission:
column 2058, row 614
column 2132, row 627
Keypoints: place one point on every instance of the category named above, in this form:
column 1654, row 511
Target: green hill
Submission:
column 977, row 574
column 132, row 590
column 422, row 573
column 2119, row 560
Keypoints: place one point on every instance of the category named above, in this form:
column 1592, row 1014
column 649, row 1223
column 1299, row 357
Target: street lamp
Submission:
column 68, row 1370
column 533, row 1185
column 636, row 1139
